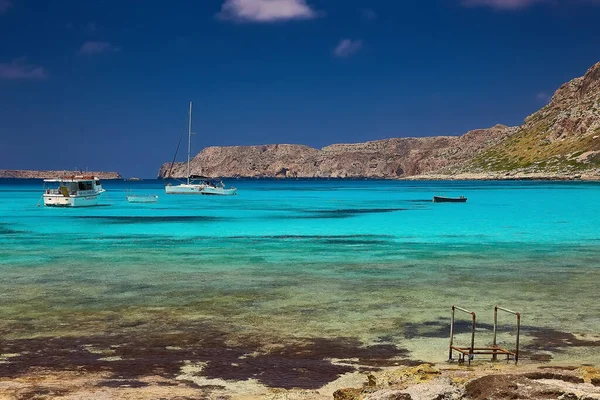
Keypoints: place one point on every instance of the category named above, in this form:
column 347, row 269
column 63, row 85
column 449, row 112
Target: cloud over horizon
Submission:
column 347, row 47
column 19, row 69
column 5, row 5
column 266, row 10
column 93, row 47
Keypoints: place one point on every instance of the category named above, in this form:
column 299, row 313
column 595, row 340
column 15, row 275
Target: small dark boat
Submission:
column 442, row 199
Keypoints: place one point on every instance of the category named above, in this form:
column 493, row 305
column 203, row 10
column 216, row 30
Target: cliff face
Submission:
column 31, row 174
column 390, row 158
column 563, row 138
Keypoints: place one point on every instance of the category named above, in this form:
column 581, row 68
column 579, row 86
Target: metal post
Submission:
column 518, row 332
column 494, row 356
column 451, row 335
column 471, row 355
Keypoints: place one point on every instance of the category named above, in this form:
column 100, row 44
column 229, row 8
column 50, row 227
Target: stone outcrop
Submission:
column 562, row 140
column 32, row 174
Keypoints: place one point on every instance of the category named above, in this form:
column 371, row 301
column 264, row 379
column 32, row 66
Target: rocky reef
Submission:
column 560, row 141
column 33, row 174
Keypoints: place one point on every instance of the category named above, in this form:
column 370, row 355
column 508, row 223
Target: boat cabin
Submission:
column 75, row 186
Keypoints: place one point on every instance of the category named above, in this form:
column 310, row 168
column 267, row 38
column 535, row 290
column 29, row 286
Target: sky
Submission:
column 105, row 85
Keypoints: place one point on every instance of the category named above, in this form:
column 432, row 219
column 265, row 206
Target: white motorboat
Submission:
column 73, row 191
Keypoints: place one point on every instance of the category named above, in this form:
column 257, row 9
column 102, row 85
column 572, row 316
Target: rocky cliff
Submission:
column 390, row 158
column 31, row 174
column 561, row 139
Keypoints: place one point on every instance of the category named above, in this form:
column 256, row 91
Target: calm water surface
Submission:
column 374, row 262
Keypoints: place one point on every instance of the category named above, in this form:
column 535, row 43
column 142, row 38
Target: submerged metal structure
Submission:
column 494, row 350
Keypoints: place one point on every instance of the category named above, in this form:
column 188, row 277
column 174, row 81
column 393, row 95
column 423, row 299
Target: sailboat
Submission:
column 194, row 184
column 198, row 184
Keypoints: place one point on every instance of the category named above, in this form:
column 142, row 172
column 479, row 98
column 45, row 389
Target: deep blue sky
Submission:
column 105, row 85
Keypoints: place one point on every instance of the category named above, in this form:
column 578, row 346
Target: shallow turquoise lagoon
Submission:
column 286, row 261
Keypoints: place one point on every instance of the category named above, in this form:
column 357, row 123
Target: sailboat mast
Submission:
column 189, row 143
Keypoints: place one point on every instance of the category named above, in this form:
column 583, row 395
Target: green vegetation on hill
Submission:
column 564, row 136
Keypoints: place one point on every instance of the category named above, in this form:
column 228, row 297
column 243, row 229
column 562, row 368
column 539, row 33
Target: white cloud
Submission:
column 92, row 47
column 347, row 47
column 5, row 5
column 266, row 10
column 19, row 69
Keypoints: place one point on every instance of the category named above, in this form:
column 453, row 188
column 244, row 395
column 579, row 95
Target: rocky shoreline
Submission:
column 588, row 177
column 484, row 381
column 42, row 174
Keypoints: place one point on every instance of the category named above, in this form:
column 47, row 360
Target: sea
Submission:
column 293, row 283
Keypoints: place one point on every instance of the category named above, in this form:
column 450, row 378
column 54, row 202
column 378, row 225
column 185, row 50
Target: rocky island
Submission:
column 37, row 174
column 560, row 141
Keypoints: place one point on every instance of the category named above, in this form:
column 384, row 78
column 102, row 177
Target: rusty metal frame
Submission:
column 462, row 351
column 472, row 350
column 495, row 346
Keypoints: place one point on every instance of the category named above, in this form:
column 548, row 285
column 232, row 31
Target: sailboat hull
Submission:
column 218, row 191
column 184, row 189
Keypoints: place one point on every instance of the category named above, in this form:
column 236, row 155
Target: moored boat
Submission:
column 134, row 198
column 444, row 199
column 217, row 188
column 192, row 186
column 73, row 191
column 196, row 184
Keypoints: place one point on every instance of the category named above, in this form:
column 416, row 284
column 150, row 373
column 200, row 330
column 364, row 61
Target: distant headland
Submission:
column 560, row 141
column 38, row 174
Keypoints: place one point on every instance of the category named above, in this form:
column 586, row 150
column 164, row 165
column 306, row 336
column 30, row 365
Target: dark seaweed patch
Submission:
column 6, row 230
column 350, row 212
column 315, row 238
column 554, row 340
column 337, row 213
column 303, row 365
column 125, row 219
column 363, row 242
column 439, row 329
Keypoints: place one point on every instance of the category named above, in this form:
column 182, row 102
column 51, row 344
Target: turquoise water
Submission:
column 287, row 262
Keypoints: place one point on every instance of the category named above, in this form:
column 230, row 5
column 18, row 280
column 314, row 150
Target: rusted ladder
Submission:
column 470, row 351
